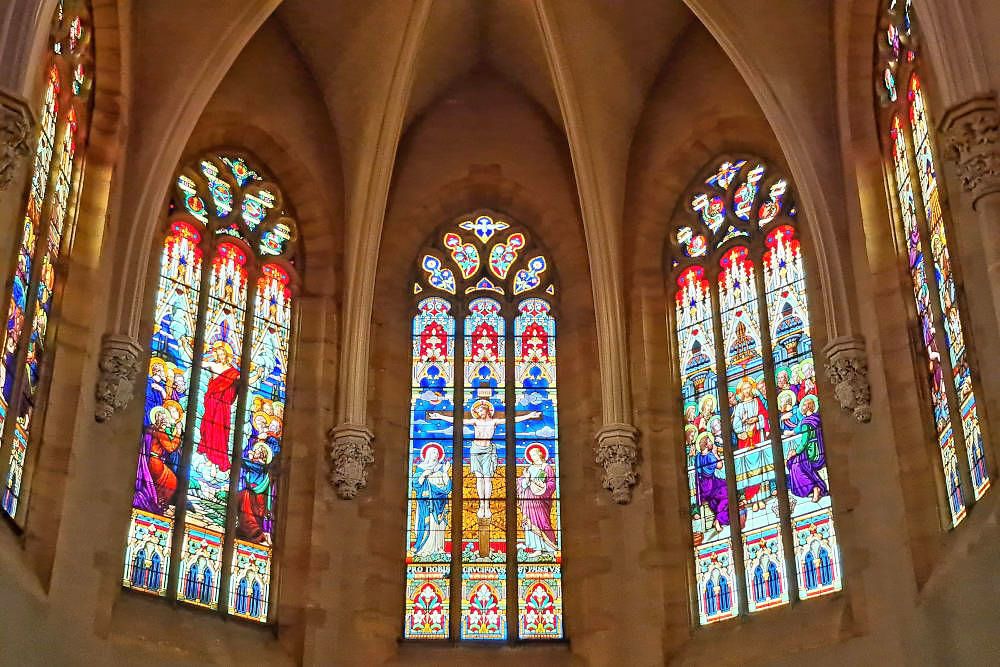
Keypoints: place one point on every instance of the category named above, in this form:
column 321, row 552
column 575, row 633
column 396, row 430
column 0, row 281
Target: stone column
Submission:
column 847, row 370
column 617, row 451
column 351, row 452
column 971, row 138
column 118, row 367
column 17, row 136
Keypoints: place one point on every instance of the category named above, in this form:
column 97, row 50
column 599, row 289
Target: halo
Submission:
column 813, row 398
column 431, row 445
column 708, row 398
column 275, row 420
column 536, row 445
column 157, row 410
column 225, row 346
column 785, row 394
column 481, row 401
column 269, row 453
column 704, row 436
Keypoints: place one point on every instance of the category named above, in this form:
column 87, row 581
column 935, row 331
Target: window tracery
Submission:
column 45, row 235
column 760, row 501
column 205, row 510
column 916, row 197
column 483, row 504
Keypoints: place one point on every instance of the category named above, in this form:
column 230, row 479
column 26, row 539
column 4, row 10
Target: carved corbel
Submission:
column 351, row 452
column 117, row 369
column 971, row 133
column 617, row 451
column 17, row 136
column 847, row 370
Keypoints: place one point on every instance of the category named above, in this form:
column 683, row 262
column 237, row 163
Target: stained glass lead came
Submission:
column 232, row 444
column 508, row 463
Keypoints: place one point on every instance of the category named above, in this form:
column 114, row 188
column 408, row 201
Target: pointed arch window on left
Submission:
column 44, row 236
column 205, row 513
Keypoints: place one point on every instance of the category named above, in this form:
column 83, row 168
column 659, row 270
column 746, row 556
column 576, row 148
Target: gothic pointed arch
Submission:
column 760, row 498
column 921, row 225
column 44, row 237
column 206, row 498
column 483, row 544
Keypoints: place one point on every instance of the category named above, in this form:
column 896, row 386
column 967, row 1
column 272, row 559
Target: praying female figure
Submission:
column 712, row 490
column 431, row 486
column 535, row 488
column 220, row 394
column 804, row 466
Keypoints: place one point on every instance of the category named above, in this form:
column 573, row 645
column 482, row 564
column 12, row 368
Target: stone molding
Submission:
column 847, row 370
column 17, row 136
column 118, row 367
column 351, row 452
column 617, row 451
column 971, row 134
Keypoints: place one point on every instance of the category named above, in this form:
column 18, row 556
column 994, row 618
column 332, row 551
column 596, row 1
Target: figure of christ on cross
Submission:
column 483, row 451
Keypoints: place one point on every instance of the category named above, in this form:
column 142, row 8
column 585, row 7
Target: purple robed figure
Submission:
column 535, row 489
column 712, row 490
column 145, row 489
column 804, row 466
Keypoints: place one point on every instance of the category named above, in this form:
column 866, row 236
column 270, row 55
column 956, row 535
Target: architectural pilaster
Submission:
column 17, row 136
column 847, row 370
column 617, row 451
column 118, row 367
column 971, row 136
column 351, row 452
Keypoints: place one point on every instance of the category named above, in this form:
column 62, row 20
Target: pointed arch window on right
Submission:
column 760, row 504
column 916, row 199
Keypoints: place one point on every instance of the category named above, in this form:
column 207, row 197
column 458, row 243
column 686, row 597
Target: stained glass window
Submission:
column 44, row 236
column 912, row 166
column 210, row 452
column 483, row 470
column 760, row 504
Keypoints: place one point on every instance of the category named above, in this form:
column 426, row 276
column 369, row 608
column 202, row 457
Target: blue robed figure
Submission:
column 431, row 484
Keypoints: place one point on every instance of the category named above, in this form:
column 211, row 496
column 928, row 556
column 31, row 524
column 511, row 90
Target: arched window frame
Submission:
column 918, row 202
column 739, row 202
column 45, row 237
column 224, row 204
column 535, row 585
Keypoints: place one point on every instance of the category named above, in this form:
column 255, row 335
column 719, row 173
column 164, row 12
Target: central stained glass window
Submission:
column 483, row 544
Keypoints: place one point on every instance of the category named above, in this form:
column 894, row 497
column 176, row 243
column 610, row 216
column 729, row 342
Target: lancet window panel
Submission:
column 205, row 513
column 44, row 236
column 917, row 200
column 483, row 542
column 759, row 491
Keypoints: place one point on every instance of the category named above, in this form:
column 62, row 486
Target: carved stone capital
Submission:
column 617, row 451
column 971, row 133
column 351, row 453
column 117, row 369
column 847, row 370
column 17, row 136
